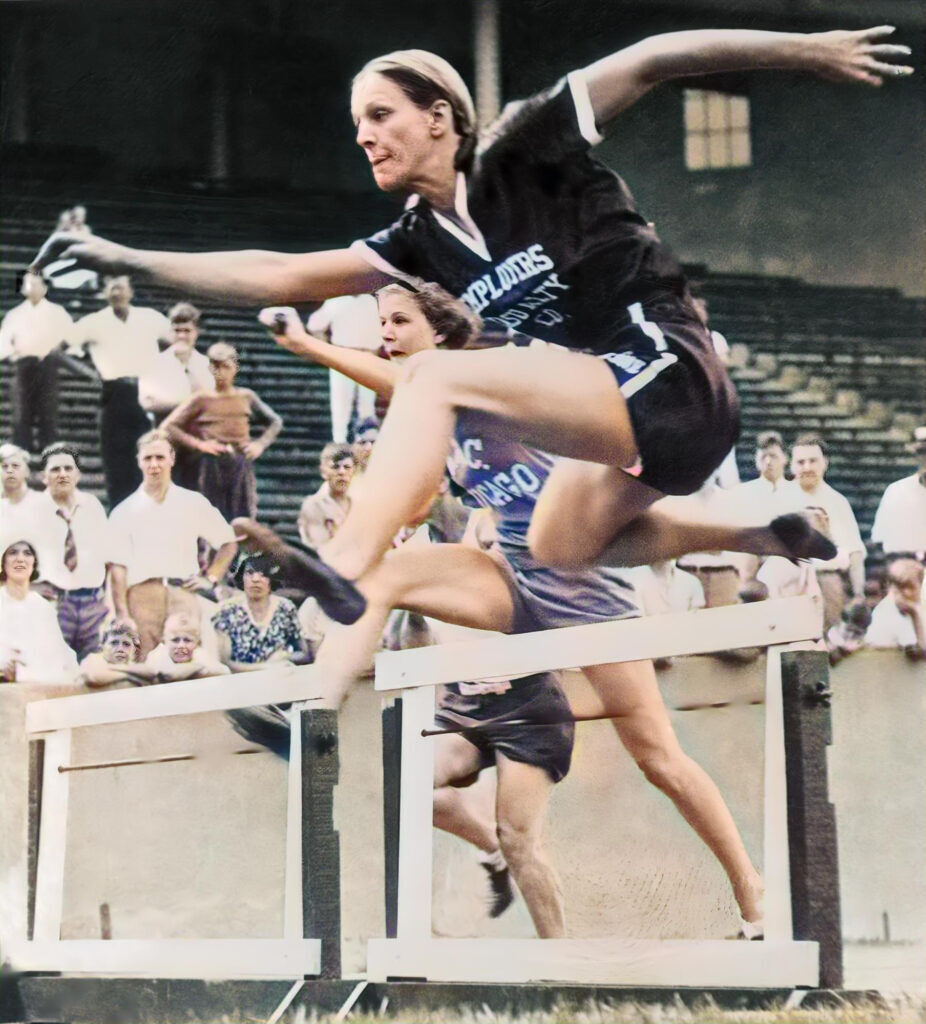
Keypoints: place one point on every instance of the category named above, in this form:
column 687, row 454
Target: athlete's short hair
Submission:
column 449, row 317
column 424, row 78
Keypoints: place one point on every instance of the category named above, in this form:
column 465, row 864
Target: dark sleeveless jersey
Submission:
column 507, row 476
column 556, row 248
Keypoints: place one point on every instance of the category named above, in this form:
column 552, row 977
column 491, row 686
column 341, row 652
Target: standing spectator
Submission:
column 32, row 649
column 351, row 321
column 899, row 620
column 178, row 372
column 19, row 504
column 155, row 534
column 258, row 628
column 72, row 535
column 900, row 522
column 324, row 511
column 217, row 424
column 770, row 493
column 29, row 337
column 809, row 464
column 123, row 344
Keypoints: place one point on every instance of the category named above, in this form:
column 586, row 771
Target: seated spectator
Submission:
column 155, row 534
column 362, row 448
column 751, row 592
column 19, row 504
column 323, row 512
column 217, row 423
column 662, row 588
column 116, row 661
column 180, row 655
column 32, row 649
column 848, row 635
column 898, row 620
column 258, row 628
column 900, row 522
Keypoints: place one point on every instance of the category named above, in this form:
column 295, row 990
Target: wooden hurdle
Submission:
column 796, row 681
column 310, row 945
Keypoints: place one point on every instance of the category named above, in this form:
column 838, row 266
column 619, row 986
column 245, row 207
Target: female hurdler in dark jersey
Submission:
column 537, row 235
column 507, row 590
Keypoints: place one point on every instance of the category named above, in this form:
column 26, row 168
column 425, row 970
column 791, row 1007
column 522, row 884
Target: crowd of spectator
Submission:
column 156, row 590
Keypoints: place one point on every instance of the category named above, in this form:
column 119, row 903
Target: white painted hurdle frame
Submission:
column 778, row 961
column 53, row 720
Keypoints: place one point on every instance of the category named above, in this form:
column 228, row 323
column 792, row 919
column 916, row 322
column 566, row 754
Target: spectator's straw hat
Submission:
column 918, row 444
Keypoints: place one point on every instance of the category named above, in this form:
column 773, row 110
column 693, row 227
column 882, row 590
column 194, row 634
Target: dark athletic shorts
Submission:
column 538, row 697
column 683, row 405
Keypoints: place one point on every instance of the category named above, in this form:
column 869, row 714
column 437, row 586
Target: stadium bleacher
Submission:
column 847, row 362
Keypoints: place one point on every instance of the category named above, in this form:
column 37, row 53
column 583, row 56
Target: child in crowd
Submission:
column 848, row 635
column 218, row 424
column 899, row 620
column 180, row 655
column 117, row 660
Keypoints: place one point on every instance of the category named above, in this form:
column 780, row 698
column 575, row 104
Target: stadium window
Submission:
column 716, row 130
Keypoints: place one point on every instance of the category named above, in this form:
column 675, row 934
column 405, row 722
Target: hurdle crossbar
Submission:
column 217, row 693
column 659, row 636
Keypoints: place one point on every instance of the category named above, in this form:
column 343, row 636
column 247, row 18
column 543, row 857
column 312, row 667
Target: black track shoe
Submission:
column 266, row 726
column 798, row 534
column 501, row 891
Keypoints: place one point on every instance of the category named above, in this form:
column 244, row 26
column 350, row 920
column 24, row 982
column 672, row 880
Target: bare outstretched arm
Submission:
column 365, row 368
column 619, row 80
column 248, row 276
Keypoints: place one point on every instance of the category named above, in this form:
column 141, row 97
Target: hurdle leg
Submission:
column 292, row 882
column 392, row 790
column 49, row 886
column 321, row 855
column 33, row 827
column 416, row 815
column 777, row 870
column 811, row 816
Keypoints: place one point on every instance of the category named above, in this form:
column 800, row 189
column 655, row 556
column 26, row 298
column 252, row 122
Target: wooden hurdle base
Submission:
column 134, row 1001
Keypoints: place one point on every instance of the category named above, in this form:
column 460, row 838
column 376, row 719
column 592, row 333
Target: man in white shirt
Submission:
column 177, row 373
column 72, row 539
column 123, row 343
column 154, row 556
column 900, row 522
column 29, row 337
column 323, row 512
column 351, row 321
column 19, row 504
column 809, row 464
column 899, row 620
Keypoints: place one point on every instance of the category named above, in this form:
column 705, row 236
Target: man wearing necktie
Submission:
column 71, row 533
